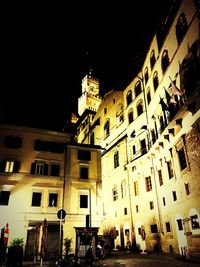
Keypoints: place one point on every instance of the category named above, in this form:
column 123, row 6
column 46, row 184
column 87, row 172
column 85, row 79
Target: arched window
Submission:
column 130, row 116
column 123, row 188
column 138, row 88
column 181, row 27
column 116, row 159
column 146, row 75
column 165, row 60
column 107, row 129
column 115, row 193
column 155, row 80
column 148, row 96
column 152, row 59
column 120, row 114
column 139, row 108
column 129, row 98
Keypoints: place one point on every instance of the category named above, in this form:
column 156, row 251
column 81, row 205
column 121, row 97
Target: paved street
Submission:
column 129, row 259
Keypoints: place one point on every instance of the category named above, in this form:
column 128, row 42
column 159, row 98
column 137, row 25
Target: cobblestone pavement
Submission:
column 129, row 259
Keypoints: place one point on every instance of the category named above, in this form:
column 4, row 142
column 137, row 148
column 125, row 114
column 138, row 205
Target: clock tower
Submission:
column 90, row 98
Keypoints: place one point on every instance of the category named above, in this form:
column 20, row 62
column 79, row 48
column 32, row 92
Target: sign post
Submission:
column 61, row 216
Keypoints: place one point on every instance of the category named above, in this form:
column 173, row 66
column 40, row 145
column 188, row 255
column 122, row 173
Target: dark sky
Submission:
column 46, row 50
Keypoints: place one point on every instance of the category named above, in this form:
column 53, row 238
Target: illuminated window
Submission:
column 53, row 199
column 136, row 188
column 36, row 199
column 4, row 198
column 9, row 166
column 148, row 184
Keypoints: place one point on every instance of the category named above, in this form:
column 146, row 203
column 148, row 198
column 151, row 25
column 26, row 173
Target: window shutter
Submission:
column 16, row 166
column 33, row 165
column 2, row 165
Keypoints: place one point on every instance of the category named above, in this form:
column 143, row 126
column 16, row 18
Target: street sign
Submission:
column 61, row 214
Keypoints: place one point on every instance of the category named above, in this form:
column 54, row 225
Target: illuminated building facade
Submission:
column 151, row 135
column 41, row 173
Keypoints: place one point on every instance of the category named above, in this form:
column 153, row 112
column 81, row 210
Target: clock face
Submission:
column 92, row 88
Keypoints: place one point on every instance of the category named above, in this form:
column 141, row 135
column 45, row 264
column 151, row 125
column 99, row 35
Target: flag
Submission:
column 176, row 90
column 163, row 105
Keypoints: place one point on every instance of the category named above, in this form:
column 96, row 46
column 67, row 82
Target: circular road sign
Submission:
column 61, row 214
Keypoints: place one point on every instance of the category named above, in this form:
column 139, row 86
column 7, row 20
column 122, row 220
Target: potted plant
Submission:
column 15, row 253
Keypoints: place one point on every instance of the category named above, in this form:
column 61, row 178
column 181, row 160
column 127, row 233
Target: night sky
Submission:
column 47, row 49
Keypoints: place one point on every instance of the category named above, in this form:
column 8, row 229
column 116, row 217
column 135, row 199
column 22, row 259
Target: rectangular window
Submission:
column 180, row 224
column 160, row 177
column 170, row 169
column 134, row 150
column 168, row 228
column 148, row 184
column 53, row 199
column 9, row 166
column 125, row 211
column 116, row 159
column 137, row 208
column 83, row 201
column 194, row 222
column 115, row 194
column 164, row 202
column 182, row 158
column 4, row 198
column 83, row 172
column 187, row 188
column 154, row 228
column 13, row 142
column 174, row 195
column 84, row 155
column 39, row 167
column 151, row 205
column 36, row 199
column 55, row 170
column 136, row 188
